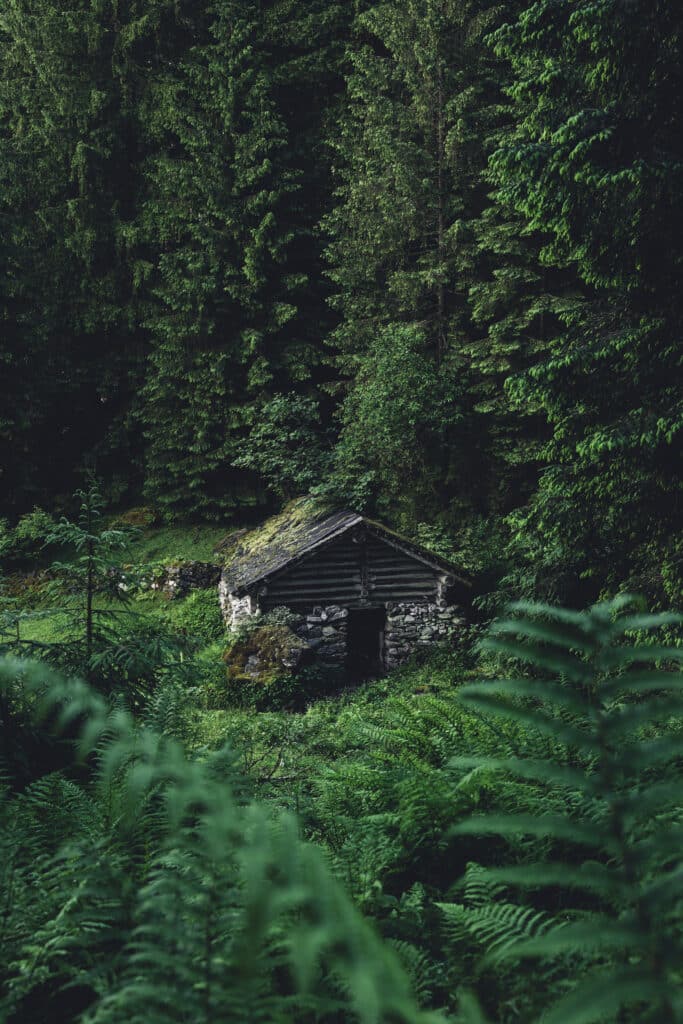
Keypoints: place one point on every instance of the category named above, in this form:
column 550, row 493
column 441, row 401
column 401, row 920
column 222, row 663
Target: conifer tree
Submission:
column 410, row 148
column 595, row 164
column 221, row 294
column 69, row 77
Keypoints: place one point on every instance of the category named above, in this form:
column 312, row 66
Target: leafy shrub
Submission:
column 274, row 688
column 282, row 692
column 140, row 518
column 32, row 529
column 5, row 539
column 25, row 542
column 484, row 828
column 286, row 446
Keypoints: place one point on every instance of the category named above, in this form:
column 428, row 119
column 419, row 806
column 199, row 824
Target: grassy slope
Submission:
column 176, row 544
column 154, row 545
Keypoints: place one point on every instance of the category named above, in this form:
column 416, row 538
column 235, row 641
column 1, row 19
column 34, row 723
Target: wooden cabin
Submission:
column 362, row 594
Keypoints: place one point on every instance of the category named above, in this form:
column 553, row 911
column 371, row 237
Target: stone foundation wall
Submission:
column 235, row 609
column 411, row 626
column 325, row 630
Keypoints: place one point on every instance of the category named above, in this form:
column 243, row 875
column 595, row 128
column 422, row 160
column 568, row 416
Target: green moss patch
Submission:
column 265, row 655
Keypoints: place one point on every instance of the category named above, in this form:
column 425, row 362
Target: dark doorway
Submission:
column 365, row 642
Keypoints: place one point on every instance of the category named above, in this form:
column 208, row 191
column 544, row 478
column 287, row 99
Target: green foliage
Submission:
column 166, row 544
column 225, row 292
column 611, row 829
column 418, row 256
column 268, row 666
column 226, row 909
column 518, row 837
column 396, row 401
column 199, row 617
column 286, row 446
column 85, row 618
column 593, row 165
column 92, row 570
column 548, row 773
column 23, row 546
column 407, row 140
column 70, row 76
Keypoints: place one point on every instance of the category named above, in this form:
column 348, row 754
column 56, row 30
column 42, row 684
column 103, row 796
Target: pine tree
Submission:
column 69, row 77
column 516, row 304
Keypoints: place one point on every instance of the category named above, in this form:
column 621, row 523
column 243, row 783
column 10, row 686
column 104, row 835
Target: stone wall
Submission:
column 235, row 609
column 179, row 580
column 325, row 630
column 413, row 625
column 410, row 626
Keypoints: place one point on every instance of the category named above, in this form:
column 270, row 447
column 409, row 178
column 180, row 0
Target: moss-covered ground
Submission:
column 169, row 544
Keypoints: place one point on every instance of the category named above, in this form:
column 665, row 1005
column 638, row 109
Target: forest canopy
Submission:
column 422, row 255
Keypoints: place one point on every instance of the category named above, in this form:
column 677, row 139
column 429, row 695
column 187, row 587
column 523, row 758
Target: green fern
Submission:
column 172, row 901
column 613, row 712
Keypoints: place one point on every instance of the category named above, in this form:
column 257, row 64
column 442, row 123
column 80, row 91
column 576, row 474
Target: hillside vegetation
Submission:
column 418, row 260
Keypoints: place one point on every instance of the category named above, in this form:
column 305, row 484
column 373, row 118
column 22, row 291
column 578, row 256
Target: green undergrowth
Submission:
column 329, row 728
column 453, row 812
column 25, row 555
column 511, row 836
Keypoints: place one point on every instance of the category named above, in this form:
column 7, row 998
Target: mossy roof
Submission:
column 301, row 528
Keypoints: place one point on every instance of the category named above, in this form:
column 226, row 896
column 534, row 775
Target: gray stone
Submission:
column 178, row 580
column 334, row 653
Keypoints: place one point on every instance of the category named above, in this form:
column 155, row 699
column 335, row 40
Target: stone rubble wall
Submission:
column 236, row 610
column 325, row 630
column 412, row 625
column 178, row 580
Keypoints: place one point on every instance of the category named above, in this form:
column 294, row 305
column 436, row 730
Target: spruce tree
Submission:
column 410, row 147
column 595, row 164
column 70, row 73
column 220, row 292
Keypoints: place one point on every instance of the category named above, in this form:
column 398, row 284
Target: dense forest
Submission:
column 416, row 259
column 421, row 255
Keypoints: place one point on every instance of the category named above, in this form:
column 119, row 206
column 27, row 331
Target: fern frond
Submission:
column 621, row 780
column 211, row 905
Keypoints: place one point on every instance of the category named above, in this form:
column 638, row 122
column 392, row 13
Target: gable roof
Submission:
column 298, row 531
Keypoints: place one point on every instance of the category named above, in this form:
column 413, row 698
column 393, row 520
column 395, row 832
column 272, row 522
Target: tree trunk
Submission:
column 440, row 220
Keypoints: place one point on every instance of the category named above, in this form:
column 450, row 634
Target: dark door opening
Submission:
column 365, row 642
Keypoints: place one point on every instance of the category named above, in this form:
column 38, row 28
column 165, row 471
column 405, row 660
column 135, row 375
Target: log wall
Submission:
column 357, row 570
